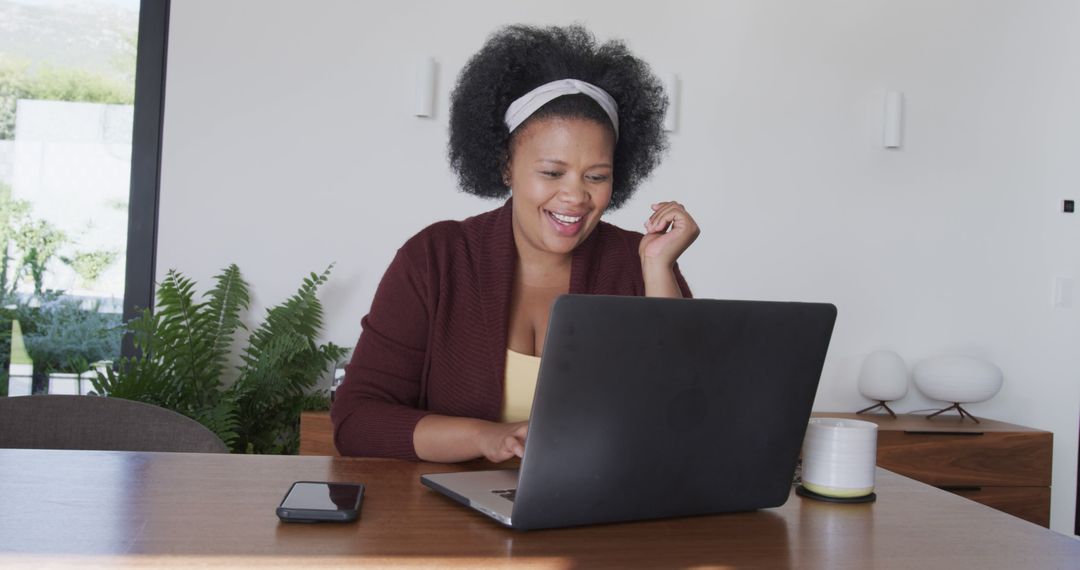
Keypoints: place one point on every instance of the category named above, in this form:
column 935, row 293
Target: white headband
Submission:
column 523, row 107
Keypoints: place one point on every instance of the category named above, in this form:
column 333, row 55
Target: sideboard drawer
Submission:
column 1029, row 503
column 968, row 459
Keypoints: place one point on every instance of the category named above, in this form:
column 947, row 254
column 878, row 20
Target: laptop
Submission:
column 650, row 408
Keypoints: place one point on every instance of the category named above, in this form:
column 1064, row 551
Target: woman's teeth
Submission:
column 565, row 219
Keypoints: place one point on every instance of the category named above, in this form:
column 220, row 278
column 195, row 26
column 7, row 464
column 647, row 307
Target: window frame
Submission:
column 150, row 65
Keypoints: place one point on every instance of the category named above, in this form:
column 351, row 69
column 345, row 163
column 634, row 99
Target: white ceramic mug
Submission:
column 839, row 457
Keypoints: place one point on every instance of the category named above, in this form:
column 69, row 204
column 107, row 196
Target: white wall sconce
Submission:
column 671, row 118
column 425, row 88
column 893, row 132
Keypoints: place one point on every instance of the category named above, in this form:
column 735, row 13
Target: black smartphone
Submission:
column 317, row 501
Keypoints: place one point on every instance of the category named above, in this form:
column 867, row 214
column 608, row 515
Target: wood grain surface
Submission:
column 113, row 509
column 1029, row 503
column 316, row 434
column 998, row 459
column 949, row 451
column 944, row 451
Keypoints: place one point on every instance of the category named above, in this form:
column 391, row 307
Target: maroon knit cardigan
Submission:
column 435, row 339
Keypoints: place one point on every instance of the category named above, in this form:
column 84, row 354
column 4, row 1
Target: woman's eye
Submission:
column 551, row 173
column 597, row 178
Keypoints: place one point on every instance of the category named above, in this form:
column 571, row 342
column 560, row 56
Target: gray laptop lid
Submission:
column 649, row 408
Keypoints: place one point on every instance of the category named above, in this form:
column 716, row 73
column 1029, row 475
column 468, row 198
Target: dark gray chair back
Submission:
column 93, row 422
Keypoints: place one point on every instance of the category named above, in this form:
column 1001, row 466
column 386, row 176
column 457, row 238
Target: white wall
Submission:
column 289, row 143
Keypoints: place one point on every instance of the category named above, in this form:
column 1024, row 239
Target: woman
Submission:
column 446, row 364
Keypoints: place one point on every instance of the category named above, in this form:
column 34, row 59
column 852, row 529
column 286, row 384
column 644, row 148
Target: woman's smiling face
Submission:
column 560, row 173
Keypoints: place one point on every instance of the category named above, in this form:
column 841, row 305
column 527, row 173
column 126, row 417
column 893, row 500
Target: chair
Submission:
column 93, row 422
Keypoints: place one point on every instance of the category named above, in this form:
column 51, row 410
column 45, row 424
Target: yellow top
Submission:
column 521, row 373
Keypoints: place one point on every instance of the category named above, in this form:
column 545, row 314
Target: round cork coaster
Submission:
column 804, row 492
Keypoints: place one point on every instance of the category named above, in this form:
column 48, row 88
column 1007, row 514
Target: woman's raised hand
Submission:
column 668, row 232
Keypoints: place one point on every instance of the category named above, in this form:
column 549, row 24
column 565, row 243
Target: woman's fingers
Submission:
column 507, row 440
column 668, row 232
column 511, row 446
column 657, row 209
column 515, row 446
column 516, row 440
column 665, row 214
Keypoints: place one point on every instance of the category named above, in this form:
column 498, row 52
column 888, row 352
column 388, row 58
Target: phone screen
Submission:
column 322, row 496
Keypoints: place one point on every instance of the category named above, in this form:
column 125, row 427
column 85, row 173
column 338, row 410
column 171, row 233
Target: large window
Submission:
column 80, row 109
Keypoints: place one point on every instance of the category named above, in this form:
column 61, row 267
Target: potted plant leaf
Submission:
column 184, row 348
column 90, row 373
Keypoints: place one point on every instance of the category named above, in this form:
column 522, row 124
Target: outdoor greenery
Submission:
column 89, row 265
column 12, row 216
column 67, row 336
column 183, row 364
column 39, row 241
column 62, row 334
column 20, row 80
column 36, row 244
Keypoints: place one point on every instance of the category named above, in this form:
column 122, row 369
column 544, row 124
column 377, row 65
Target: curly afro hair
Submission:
column 516, row 60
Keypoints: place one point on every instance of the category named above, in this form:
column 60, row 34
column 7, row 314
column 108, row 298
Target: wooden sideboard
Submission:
column 1000, row 465
column 316, row 434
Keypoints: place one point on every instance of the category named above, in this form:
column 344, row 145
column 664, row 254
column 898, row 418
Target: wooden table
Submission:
column 160, row 509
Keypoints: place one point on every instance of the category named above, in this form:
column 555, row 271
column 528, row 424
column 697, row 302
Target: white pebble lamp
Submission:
column 959, row 380
column 883, row 378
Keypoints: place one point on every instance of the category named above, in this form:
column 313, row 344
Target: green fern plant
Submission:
column 275, row 377
column 184, row 347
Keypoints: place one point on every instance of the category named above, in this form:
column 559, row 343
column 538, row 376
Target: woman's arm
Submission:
column 448, row 439
column 660, row 280
column 670, row 230
column 377, row 407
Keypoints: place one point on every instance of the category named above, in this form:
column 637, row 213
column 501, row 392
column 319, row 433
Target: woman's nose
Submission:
column 574, row 193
